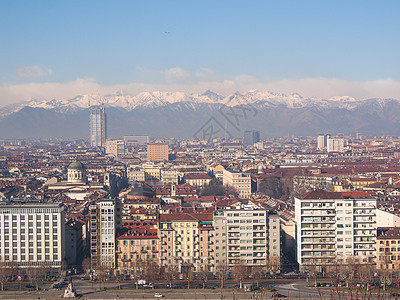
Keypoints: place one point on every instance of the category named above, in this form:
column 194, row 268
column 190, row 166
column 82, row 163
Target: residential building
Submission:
column 241, row 182
column 322, row 141
column 335, row 145
column 157, row 152
column 187, row 241
column 332, row 227
column 32, row 234
column 98, row 126
column 247, row 236
column 115, row 147
column 137, row 249
column 105, row 220
column 388, row 249
column 197, row 180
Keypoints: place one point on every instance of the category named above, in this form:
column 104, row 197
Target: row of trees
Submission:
column 11, row 271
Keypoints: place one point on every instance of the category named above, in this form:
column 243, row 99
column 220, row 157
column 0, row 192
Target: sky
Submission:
column 61, row 49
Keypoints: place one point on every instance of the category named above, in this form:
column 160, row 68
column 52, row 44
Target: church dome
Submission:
column 76, row 165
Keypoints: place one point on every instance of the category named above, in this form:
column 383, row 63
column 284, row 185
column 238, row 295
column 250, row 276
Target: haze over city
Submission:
column 200, row 149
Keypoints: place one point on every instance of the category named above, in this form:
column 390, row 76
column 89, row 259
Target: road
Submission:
column 93, row 290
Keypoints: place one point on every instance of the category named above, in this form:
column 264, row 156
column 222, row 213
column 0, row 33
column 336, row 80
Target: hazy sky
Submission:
column 59, row 49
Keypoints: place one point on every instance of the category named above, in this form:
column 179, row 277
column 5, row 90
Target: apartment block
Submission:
column 187, row 241
column 32, row 234
column 332, row 227
column 388, row 249
column 247, row 237
column 157, row 152
column 115, row 147
column 240, row 181
column 105, row 220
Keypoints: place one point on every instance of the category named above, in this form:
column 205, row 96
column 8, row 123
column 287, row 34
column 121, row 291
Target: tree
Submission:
column 4, row 274
column 204, row 270
column 86, row 265
column 35, row 275
column 272, row 187
column 171, row 273
column 152, row 271
column 222, row 270
column 257, row 273
column 216, row 188
column 240, row 272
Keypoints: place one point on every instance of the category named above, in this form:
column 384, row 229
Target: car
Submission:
column 158, row 295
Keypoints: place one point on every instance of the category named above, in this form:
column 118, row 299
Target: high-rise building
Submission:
column 322, row 141
column 335, row 145
column 251, row 137
column 32, row 234
column 105, row 220
column 98, row 126
column 332, row 227
column 157, row 152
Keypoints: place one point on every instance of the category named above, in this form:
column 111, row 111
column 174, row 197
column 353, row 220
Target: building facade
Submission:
column 334, row 227
column 251, row 137
column 247, row 236
column 32, row 234
column 115, row 147
column 157, row 152
column 240, row 181
column 105, row 220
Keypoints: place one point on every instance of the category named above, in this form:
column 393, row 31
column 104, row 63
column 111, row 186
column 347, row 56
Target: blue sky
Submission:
column 55, row 49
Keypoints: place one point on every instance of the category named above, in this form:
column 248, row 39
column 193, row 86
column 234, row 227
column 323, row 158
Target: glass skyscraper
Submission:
column 97, row 119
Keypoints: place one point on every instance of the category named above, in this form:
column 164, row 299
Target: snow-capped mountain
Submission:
column 181, row 114
column 155, row 99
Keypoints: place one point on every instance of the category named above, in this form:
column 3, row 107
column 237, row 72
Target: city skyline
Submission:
column 313, row 48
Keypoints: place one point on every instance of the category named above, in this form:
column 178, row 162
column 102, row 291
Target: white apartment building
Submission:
column 240, row 181
column 32, row 234
column 333, row 227
column 246, row 236
column 335, row 145
column 115, row 147
column 105, row 220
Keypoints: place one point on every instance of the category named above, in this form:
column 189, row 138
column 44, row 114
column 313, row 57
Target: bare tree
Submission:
column 257, row 273
column 171, row 273
column 86, row 265
column 222, row 270
column 240, row 272
column 35, row 274
column 204, row 270
column 4, row 274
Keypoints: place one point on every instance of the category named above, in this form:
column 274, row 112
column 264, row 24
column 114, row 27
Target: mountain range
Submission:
column 178, row 114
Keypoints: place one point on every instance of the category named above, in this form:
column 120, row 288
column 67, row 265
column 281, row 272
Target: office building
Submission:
column 98, row 126
column 105, row 220
column 332, row 227
column 137, row 139
column 32, row 234
column 251, row 137
column 157, row 152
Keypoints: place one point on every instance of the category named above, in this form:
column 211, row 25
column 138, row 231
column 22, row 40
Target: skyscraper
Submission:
column 97, row 120
column 251, row 137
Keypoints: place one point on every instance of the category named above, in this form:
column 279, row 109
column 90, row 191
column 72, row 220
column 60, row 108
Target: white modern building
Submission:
column 335, row 145
column 332, row 227
column 32, row 234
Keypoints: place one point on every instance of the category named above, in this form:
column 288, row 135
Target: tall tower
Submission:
column 98, row 126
